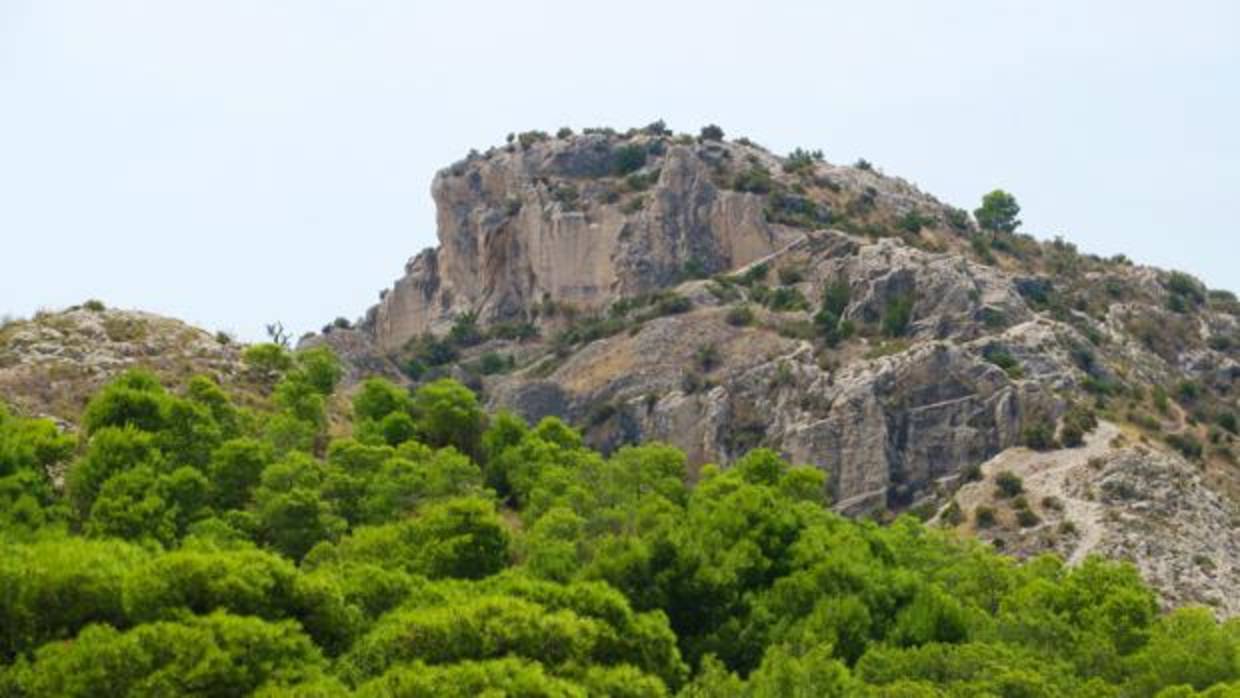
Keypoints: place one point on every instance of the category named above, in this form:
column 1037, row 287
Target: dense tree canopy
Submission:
column 424, row 548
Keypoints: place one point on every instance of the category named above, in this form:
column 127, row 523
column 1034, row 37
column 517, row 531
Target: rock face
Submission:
column 548, row 222
column 884, row 427
column 948, row 345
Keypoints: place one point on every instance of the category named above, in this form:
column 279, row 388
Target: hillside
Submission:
column 53, row 362
column 659, row 329
column 199, row 547
column 710, row 294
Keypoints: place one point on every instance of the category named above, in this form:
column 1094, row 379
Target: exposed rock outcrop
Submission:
column 548, row 222
column 51, row 363
column 948, row 345
column 1119, row 499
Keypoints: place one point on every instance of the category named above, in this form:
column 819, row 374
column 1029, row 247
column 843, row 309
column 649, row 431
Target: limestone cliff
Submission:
column 949, row 344
column 581, row 221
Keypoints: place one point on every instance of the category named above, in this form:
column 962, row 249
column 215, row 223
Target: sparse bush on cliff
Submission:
column 711, row 132
column 630, row 158
column 1008, row 484
column 897, row 315
column 756, row 179
column 740, row 316
column 801, row 160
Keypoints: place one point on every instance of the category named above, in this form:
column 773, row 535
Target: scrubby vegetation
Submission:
column 421, row 547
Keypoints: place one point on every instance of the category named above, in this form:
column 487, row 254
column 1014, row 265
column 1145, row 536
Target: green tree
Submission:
column 57, row 585
column 376, row 398
column 235, row 469
column 998, row 212
column 111, row 450
column 210, row 656
column 449, row 415
column 135, row 399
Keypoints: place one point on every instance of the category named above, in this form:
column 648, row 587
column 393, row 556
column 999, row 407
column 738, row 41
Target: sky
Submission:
column 238, row 162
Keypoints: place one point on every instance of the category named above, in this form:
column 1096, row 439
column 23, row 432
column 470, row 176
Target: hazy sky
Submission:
column 234, row 162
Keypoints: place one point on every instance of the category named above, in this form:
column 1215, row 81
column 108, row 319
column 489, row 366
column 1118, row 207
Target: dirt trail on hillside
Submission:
column 1049, row 474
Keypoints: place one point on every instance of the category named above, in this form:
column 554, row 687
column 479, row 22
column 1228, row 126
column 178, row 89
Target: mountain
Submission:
column 710, row 294
column 373, row 520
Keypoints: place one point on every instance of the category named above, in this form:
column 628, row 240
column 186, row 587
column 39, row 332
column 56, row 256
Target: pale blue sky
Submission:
column 233, row 162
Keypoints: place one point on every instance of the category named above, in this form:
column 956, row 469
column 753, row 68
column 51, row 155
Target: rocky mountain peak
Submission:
column 580, row 220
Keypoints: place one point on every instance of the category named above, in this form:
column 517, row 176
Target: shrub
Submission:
column 1039, row 436
column 1071, row 436
column 564, row 132
column 566, row 195
column 795, row 210
column 1227, row 420
column 1185, row 443
column 1159, row 396
column 94, row 305
column 1000, row 357
column 641, row 181
column 529, row 138
column 897, row 315
column 863, row 164
column 1026, row 518
column 493, row 362
column 755, row 180
column 519, row 331
column 754, row 274
column 787, row 299
column 706, row 357
column 693, row 269
column 953, row 515
column 984, row 517
column 673, row 304
column 1079, row 421
column 912, row 222
column 801, row 160
column 790, row 275
column 465, row 332
column 1008, row 484
column 739, row 316
column 432, row 351
column 1185, row 287
column 958, row 218
column 711, row 132
column 657, row 128
column 1188, row 391
column 630, row 158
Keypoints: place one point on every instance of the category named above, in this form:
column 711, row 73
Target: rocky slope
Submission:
column 713, row 295
column 646, row 285
column 51, row 363
column 1115, row 496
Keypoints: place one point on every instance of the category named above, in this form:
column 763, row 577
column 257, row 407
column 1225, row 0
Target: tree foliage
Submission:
column 199, row 547
column 998, row 212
